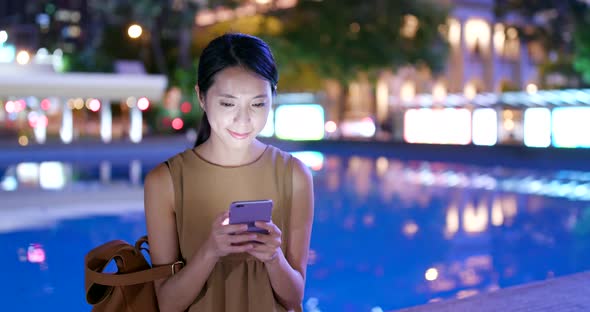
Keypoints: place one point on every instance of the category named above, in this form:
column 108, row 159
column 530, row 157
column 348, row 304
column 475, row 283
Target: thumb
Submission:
column 221, row 217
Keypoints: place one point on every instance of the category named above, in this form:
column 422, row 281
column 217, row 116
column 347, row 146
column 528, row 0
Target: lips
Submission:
column 239, row 136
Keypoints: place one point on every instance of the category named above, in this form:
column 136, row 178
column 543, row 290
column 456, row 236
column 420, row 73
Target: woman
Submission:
column 187, row 198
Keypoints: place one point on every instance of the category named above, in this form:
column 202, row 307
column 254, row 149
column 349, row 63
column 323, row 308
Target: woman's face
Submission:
column 237, row 106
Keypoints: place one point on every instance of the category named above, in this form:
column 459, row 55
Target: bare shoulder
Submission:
column 158, row 190
column 302, row 178
column 159, row 178
column 161, row 175
column 159, row 214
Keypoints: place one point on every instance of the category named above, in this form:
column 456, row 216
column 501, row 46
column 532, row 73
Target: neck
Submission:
column 216, row 152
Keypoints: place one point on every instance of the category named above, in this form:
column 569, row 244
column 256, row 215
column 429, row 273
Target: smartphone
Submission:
column 248, row 212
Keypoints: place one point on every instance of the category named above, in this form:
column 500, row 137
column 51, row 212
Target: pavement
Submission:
column 564, row 294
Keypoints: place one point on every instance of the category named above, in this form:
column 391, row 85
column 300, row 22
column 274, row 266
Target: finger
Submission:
column 261, row 248
column 241, row 238
column 258, row 250
column 262, row 255
column 254, row 253
column 265, row 239
column 221, row 217
column 233, row 228
column 263, row 225
column 268, row 246
column 269, row 226
column 241, row 248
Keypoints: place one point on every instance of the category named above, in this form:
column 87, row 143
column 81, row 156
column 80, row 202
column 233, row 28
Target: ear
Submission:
column 201, row 97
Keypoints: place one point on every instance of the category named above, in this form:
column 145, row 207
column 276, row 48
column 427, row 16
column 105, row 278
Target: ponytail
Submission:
column 204, row 130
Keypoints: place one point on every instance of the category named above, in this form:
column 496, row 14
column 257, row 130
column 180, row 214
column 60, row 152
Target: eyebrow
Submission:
column 261, row 96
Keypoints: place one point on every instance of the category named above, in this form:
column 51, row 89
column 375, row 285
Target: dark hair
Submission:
column 233, row 49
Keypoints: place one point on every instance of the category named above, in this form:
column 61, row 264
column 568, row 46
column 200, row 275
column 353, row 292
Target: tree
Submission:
column 339, row 38
column 164, row 46
column 562, row 27
column 167, row 24
column 582, row 43
column 548, row 21
column 343, row 40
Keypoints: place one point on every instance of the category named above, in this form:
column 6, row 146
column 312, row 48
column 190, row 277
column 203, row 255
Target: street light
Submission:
column 134, row 31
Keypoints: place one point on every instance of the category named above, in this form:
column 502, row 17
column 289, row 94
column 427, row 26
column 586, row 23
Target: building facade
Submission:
column 485, row 55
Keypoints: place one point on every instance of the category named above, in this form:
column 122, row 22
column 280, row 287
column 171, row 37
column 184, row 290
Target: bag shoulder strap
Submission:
column 112, row 279
column 98, row 258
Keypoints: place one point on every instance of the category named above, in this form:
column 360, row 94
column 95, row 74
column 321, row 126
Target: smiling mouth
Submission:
column 237, row 135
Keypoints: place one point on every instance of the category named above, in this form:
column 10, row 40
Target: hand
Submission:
column 270, row 244
column 226, row 239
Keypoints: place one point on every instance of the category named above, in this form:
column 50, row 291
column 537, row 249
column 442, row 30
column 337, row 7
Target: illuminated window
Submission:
column 437, row 126
column 454, row 34
column 299, row 122
column 499, row 38
column 537, row 127
column 477, row 35
column 485, row 127
column 570, row 127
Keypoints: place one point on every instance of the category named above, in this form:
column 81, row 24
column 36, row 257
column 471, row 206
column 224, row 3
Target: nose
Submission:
column 242, row 116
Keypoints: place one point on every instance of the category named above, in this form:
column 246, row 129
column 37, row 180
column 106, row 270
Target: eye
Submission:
column 225, row 104
column 259, row 104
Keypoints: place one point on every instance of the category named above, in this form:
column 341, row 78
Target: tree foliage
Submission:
column 582, row 43
column 562, row 26
column 164, row 44
column 339, row 38
column 314, row 40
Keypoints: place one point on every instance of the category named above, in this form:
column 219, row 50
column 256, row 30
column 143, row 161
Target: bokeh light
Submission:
column 94, row 105
column 45, row 104
column 431, row 274
column 23, row 140
column 185, row 107
column 23, row 57
column 177, row 123
column 331, row 127
column 3, row 36
column 143, row 103
column 134, row 31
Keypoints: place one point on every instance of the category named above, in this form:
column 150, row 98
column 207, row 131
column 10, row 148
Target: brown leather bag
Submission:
column 132, row 287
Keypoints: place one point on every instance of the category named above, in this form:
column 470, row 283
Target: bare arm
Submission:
column 177, row 292
column 287, row 272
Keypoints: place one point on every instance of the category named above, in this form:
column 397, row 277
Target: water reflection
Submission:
column 58, row 176
column 387, row 233
column 44, row 175
column 415, row 232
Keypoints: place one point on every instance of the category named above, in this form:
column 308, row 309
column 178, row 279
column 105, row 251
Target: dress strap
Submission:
column 286, row 197
column 175, row 165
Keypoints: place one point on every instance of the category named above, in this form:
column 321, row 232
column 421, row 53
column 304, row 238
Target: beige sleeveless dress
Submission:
column 238, row 282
